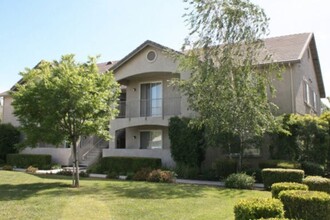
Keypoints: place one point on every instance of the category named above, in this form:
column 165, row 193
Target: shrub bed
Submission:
column 25, row 160
column 223, row 168
column 239, row 181
column 307, row 205
column 142, row 175
column 312, row 169
column 7, row 167
column 279, row 164
column 279, row 187
column 161, row 176
column 317, row 183
column 277, row 175
column 258, row 208
column 124, row 165
column 31, row 169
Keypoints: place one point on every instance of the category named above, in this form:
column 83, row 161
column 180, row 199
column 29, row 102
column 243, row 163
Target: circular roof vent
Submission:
column 151, row 55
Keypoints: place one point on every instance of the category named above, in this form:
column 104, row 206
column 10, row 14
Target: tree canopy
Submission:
column 228, row 86
column 63, row 100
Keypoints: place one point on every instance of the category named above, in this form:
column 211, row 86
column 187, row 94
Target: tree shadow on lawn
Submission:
column 23, row 191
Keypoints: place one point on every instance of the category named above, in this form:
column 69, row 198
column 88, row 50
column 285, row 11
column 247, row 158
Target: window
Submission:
column 151, row 139
column 151, row 56
column 306, row 93
column 314, row 100
column 151, row 99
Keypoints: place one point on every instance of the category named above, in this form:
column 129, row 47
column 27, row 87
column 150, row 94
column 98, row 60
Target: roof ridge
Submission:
column 287, row 35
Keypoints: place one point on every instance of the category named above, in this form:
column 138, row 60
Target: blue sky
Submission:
column 32, row 30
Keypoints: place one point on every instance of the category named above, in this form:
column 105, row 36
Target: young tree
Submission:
column 228, row 86
column 63, row 100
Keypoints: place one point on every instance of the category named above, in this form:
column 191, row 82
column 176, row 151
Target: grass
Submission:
column 26, row 196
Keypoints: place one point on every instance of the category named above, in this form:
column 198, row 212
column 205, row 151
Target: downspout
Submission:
column 293, row 104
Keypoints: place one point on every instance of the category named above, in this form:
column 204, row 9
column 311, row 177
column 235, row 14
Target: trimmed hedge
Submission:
column 40, row 161
column 239, row 181
column 258, row 208
column 279, row 164
column 313, row 169
column 127, row 164
column 307, row 205
column 317, row 183
column 279, row 187
column 223, row 168
column 276, row 175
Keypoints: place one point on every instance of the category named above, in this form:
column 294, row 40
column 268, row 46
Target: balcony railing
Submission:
column 149, row 107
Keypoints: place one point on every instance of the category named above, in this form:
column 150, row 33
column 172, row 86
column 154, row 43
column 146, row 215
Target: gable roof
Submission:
column 138, row 49
column 291, row 48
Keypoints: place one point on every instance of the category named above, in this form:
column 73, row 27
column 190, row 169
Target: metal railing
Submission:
column 149, row 107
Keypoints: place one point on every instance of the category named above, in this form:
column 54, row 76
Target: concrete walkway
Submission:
column 259, row 186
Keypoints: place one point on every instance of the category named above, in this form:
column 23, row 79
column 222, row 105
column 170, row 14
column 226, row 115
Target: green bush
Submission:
column 142, row 175
column 161, row 176
column 31, row 169
column 247, row 209
column 307, row 205
column 25, row 160
column 313, row 169
column 9, row 136
column 225, row 167
column 126, row 164
column 112, row 175
column 187, row 142
column 276, row 175
column 279, row 164
column 239, row 181
column 279, row 187
column 187, row 172
column 2, row 162
column 317, row 183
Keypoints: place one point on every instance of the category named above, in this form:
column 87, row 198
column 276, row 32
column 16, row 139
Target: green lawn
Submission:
column 25, row 196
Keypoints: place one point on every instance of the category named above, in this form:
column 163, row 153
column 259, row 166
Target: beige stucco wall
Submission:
column 8, row 116
column 139, row 64
column 134, row 143
column 290, row 89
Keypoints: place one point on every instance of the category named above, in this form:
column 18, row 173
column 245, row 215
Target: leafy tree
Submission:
column 9, row 137
column 227, row 88
column 187, row 144
column 63, row 100
column 307, row 138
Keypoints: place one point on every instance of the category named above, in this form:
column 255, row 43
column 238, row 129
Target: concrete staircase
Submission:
column 94, row 152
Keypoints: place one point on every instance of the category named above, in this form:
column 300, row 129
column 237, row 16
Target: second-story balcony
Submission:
column 150, row 107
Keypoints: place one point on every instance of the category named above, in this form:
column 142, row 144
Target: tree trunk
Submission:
column 75, row 168
column 240, row 158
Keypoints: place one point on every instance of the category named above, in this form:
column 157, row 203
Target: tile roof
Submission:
column 105, row 66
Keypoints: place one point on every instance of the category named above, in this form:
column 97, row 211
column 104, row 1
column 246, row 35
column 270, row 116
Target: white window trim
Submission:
column 151, row 130
column 140, row 91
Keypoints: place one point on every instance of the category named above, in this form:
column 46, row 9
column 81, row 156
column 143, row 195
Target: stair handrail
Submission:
column 93, row 146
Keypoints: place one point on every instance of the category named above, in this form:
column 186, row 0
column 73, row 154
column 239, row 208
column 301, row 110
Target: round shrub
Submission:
column 142, row 175
column 307, row 205
column 31, row 169
column 258, row 208
column 239, row 181
column 277, row 175
column 312, row 169
column 7, row 167
column 161, row 176
column 317, row 183
column 278, row 187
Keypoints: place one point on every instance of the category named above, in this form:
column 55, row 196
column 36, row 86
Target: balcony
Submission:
column 150, row 107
